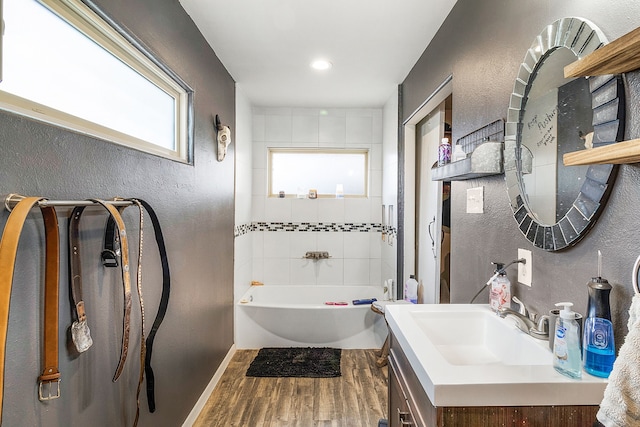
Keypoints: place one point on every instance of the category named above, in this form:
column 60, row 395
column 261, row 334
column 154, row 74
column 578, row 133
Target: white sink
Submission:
column 473, row 337
column 465, row 355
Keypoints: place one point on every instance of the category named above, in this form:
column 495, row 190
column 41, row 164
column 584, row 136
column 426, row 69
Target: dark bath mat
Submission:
column 310, row 362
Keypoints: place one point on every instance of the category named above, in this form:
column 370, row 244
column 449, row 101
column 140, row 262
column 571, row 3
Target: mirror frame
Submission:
column 607, row 94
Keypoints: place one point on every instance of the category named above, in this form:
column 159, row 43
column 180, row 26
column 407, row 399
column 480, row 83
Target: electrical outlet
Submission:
column 525, row 270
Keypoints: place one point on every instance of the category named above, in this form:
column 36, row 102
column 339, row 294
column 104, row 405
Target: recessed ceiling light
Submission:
column 321, row 64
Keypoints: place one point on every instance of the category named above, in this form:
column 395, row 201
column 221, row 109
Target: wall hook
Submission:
column 223, row 136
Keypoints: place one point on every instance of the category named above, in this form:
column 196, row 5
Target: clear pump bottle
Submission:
column 566, row 347
column 500, row 292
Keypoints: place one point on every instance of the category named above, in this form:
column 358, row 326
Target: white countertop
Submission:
column 485, row 384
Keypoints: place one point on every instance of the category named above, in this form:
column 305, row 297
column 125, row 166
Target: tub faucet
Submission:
column 316, row 255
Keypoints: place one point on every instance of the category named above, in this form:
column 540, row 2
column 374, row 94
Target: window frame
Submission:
column 318, row 150
column 106, row 33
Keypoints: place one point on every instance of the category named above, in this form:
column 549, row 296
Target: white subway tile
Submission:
column 356, row 271
column 356, row 245
column 303, row 272
column 258, row 183
column 304, row 210
column 332, row 130
column 359, row 130
column 257, row 208
column 357, row 210
column 331, row 210
column 302, row 242
column 330, row 272
column 332, row 242
column 278, row 128
column 276, row 244
column 277, row 210
column 259, row 156
column 305, row 129
column 276, row 271
column 258, row 127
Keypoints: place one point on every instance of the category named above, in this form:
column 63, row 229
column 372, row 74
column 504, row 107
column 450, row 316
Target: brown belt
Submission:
column 126, row 283
column 8, row 251
column 109, row 259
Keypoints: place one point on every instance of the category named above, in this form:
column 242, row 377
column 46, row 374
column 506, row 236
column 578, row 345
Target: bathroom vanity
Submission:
column 461, row 365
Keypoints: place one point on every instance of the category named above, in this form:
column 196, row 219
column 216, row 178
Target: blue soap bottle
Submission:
column 598, row 346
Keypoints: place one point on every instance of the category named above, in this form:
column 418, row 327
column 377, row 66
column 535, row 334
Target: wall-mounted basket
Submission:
column 484, row 149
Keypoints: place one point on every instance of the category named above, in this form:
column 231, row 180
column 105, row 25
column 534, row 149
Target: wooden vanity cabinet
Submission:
column 409, row 405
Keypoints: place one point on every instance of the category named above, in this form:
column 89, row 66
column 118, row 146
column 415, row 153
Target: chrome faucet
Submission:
column 539, row 330
column 522, row 322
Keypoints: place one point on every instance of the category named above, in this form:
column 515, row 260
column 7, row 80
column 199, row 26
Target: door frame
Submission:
column 407, row 181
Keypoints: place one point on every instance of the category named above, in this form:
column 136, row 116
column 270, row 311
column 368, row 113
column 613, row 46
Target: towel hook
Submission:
column 634, row 276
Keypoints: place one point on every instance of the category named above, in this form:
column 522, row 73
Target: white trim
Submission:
column 204, row 397
column 431, row 103
column 428, row 105
column 89, row 23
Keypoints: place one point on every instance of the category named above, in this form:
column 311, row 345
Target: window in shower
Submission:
column 331, row 172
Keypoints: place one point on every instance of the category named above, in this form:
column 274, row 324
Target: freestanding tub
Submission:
column 298, row 316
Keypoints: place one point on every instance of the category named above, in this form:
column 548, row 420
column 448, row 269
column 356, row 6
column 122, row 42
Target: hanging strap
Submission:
column 49, row 380
column 143, row 348
column 80, row 333
column 126, row 282
column 164, row 299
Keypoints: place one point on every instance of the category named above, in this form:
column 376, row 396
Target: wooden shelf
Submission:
column 619, row 56
column 624, row 152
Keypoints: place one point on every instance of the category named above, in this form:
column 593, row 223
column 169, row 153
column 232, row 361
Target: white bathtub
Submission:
column 297, row 316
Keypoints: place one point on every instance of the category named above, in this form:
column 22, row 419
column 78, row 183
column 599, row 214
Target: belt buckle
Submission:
column 109, row 258
column 49, row 396
column 81, row 336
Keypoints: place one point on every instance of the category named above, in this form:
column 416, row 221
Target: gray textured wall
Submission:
column 482, row 43
column 194, row 204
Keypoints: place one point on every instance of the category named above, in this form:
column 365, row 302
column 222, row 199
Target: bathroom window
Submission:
column 63, row 64
column 330, row 172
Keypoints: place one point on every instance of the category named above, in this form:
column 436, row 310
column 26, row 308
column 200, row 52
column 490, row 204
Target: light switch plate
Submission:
column 524, row 270
column 475, row 200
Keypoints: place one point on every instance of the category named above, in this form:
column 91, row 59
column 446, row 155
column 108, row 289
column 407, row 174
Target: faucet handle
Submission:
column 522, row 308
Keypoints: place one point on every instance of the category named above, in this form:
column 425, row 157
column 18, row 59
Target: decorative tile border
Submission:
column 347, row 227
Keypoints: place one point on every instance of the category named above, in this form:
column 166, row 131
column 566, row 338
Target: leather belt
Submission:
column 143, row 348
column 80, row 333
column 110, row 244
column 126, row 282
column 50, row 376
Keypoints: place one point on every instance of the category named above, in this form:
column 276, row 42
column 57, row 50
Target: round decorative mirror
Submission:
column 550, row 115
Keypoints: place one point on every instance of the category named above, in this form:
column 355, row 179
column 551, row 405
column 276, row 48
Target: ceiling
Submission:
column 267, row 46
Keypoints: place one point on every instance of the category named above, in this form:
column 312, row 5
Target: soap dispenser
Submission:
column 500, row 293
column 598, row 344
column 566, row 346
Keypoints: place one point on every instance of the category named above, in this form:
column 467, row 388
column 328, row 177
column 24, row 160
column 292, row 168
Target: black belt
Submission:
column 110, row 248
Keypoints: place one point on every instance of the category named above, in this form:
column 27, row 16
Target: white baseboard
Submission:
column 193, row 415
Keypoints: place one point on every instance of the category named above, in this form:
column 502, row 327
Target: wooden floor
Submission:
column 356, row 399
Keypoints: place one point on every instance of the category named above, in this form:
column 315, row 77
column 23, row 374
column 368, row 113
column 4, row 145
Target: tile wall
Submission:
column 349, row 229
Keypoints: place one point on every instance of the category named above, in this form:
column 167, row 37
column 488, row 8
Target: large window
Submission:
column 65, row 65
column 330, row 172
